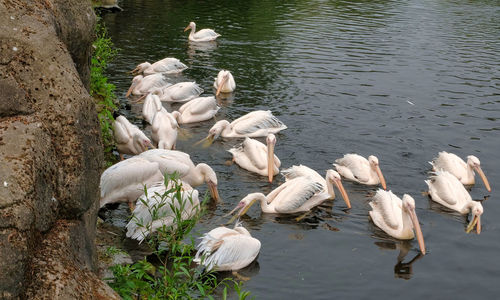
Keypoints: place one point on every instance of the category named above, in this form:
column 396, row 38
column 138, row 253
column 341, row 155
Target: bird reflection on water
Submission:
column 403, row 270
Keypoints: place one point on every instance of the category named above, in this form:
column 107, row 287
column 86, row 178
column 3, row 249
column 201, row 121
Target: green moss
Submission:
column 103, row 91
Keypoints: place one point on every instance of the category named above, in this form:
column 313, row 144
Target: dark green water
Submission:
column 399, row 79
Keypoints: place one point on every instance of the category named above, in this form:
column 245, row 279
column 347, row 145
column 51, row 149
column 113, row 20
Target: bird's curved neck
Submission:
column 227, row 129
column 193, row 29
column 177, row 116
column 407, row 223
column 267, row 208
column 197, row 175
column 329, row 188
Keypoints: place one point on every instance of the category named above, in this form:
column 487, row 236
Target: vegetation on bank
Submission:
column 169, row 272
column 101, row 90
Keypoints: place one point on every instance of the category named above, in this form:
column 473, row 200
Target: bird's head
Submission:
column 210, row 178
column 409, row 207
column 373, row 160
column 333, row 178
column 475, row 164
column 476, row 210
column 244, row 205
column 190, row 26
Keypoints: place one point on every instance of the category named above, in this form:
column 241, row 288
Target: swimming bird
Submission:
column 299, row 194
column 204, row 35
column 197, row 110
column 256, row 157
column 129, row 138
column 124, row 181
column 447, row 190
column 254, row 124
column 356, row 168
column 225, row 249
column 396, row 217
column 171, row 161
column 456, row 166
column 164, row 130
column 224, row 82
column 151, row 106
column 160, row 207
column 168, row 65
column 179, row 92
column 142, row 85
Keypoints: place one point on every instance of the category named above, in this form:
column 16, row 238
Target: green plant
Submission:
column 101, row 90
column 170, row 273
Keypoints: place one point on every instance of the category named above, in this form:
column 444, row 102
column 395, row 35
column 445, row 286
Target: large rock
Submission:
column 50, row 151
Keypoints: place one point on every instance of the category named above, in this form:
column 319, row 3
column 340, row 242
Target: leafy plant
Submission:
column 101, row 90
column 170, row 273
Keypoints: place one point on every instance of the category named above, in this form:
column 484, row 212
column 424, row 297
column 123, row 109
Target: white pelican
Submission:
column 224, row 82
column 167, row 65
column 125, row 181
column 129, row 138
column 179, row 92
column 357, row 168
column 447, row 190
column 254, row 124
column 151, row 106
column 171, row 161
column 225, row 249
column 155, row 210
column 145, row 84
column 164, row 130
column 197, row 110
column 304, row 171
column 204, row 35
column 397, row 218
column 299, row 194
column 256, row 157
column 456, row 166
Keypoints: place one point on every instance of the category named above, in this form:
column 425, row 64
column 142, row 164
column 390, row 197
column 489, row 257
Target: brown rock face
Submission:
column 50, row 152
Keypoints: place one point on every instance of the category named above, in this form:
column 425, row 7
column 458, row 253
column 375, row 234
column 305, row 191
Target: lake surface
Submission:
column 401, row 80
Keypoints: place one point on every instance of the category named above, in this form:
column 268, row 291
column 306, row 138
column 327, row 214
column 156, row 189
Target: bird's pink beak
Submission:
column 222, row 83
column 483, row 177
column 418, row 231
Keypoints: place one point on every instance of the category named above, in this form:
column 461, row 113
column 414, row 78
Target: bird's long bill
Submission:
column 339, row 185
column 213, row 190
column 224, row 80
column 476, row 220
column 205, row 142
column 381, row 177
column 150, row 145
column 187, row 28
column 138, row 100
column 483, row 177
column 418, row 231
column 135, row 71
column 270, row 161
column 132, row 86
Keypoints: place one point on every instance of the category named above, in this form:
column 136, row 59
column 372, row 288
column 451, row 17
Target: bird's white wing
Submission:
column 256, row 120
column 295, row 193
column 450, row 162
column 168, row 65
column 388, row 206
column 256, row 152
column 301, row 170
column 183, row 90
column 358, row 165
column 446, row 186
column 201, row 105
column 229, row 252
column 132, row 170
column 205, row 34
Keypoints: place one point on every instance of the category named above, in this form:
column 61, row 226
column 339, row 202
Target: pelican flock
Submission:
column 303, row 189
